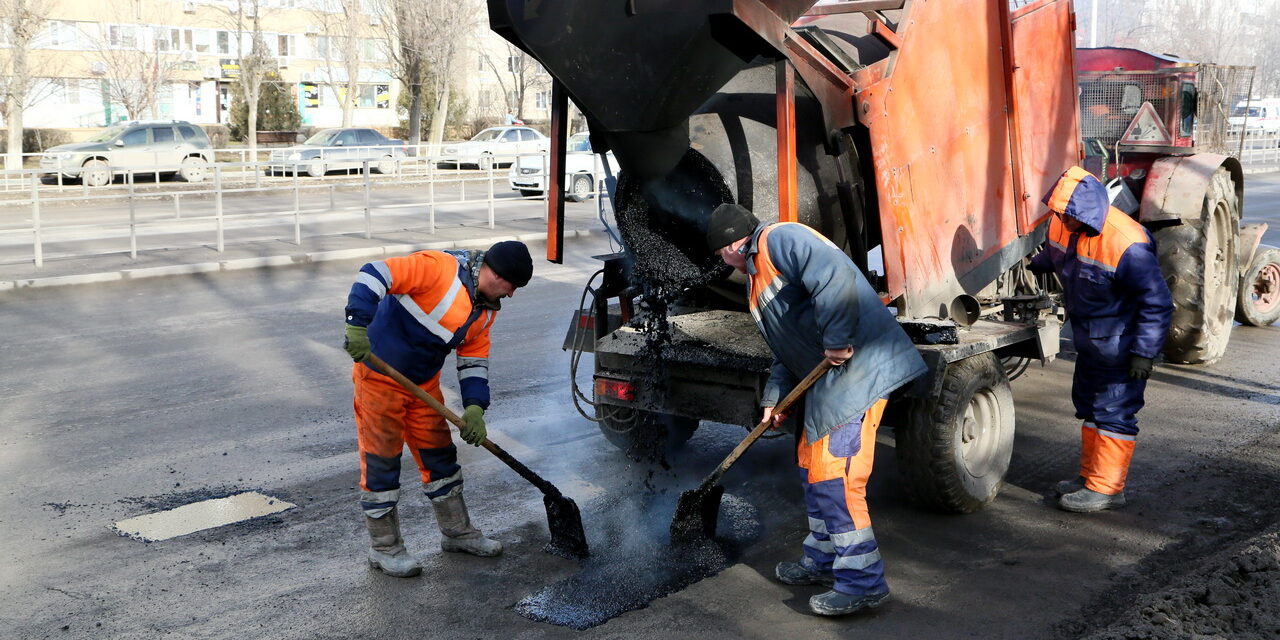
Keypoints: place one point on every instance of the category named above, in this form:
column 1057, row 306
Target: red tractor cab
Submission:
column 1156, row 129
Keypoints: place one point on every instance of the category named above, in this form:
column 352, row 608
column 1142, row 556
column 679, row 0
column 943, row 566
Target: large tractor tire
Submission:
column 954, row 450
column 1259, row 299
column 1198, row 258
column 644, row 435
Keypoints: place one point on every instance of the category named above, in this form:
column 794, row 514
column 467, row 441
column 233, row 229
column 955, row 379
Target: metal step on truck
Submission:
column 917, row 136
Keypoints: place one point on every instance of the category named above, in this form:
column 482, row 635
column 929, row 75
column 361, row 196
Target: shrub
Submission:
column 219, row 135
column 36, row 140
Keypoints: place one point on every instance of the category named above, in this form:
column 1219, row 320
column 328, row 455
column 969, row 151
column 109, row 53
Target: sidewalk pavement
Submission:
column 277, row 253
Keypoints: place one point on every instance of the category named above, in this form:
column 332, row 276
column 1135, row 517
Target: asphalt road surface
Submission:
column 127, row 398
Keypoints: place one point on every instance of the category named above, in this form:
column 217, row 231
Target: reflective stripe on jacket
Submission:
column 1110, row 272
column 806, row 295
column 420, row 307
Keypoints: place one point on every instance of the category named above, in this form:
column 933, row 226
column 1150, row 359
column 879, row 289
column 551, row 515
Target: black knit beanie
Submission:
column 510, row 260
column 729, row 223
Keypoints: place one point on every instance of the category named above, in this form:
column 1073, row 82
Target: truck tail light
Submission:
column 616, row 389
column 586, row 321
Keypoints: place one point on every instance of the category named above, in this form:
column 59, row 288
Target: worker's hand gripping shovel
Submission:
column 698, row 509
column 563, row 518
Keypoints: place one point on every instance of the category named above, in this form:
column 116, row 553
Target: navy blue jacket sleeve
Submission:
column 826, row 273
column 367, row 291
column 1138, row 277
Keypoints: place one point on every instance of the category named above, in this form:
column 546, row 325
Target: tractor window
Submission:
column 1131, row 99
column 1187, row 115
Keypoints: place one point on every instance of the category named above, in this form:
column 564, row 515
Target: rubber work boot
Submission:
column 459, row 535
column 1089, row 501
column 834, row 603
column 1069, row 486
column 803, row 573
column 387, row 552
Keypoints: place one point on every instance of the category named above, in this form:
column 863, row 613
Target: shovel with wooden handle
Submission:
column 698, row 509
column 564, row 521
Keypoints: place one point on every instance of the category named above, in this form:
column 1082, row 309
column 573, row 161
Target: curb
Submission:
column 275, row 261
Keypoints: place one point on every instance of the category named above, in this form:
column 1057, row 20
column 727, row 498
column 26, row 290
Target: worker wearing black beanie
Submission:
column 511, row 261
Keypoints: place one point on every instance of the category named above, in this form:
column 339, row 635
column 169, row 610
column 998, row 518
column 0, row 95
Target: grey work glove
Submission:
column 1140, row 367
column 357, row 342
column 473, row 431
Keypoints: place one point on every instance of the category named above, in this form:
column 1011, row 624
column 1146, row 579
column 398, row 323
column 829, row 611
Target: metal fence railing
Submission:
column 126, row 208
column 1258, row 146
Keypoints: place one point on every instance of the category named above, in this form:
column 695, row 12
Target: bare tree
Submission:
column 517, row 75
column 344, row 26
column 404, row 27
column 253, row 58
column 135, row 67
column 450, row 24
column 21, row 21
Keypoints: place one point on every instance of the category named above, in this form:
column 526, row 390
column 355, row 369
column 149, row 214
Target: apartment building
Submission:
column 192, row 48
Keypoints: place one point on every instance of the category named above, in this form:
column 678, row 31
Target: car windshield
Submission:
column 324, row 137
column 107, row 135
column 580, row 143
column 1252, row 112
column 487, row 135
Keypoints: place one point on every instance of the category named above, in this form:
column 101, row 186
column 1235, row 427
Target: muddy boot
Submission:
column 1069, row 486
column 803, row 573
column 1088, row 501
column 834, row 603
column 387, row 552
column 459, row 535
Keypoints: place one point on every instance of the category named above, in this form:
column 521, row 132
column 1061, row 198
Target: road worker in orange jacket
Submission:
column 412, row 311
column 1120, row 308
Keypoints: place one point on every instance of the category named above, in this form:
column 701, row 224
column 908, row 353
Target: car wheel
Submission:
column 579, row 189
column 193, row 169
column 95, row 173
column 386, row 166
column 316, row 169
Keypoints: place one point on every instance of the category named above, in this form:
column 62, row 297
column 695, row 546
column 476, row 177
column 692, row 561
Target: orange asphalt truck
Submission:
column 918, row 135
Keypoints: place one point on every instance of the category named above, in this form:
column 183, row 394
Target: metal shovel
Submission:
column 698, row 509
column 564, row 521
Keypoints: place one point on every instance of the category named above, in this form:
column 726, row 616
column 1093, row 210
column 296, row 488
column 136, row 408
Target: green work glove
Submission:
column 357, row 342
column 1140, row 367
column 473, row 431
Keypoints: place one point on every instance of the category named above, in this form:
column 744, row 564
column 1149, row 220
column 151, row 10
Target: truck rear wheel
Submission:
column 644, row 435
column 954, row 450
column 1259, row 299
column 1198, row 258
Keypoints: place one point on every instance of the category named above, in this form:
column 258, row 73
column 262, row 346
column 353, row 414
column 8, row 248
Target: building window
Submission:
column 374, row 96
column 224, row 42
column 513, row 64
column 63, row 34
column 284, row 45
column 513, row 100
column 480, row 62
column 122, row 36
column 202, row 40
column 541, row 99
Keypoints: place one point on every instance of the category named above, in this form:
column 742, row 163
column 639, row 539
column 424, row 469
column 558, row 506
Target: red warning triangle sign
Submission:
column 1146, row 129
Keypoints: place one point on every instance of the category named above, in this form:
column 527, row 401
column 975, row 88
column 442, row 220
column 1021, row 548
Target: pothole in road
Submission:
column 634, row 563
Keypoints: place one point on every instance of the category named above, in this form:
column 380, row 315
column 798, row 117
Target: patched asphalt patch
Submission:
column 635, row 564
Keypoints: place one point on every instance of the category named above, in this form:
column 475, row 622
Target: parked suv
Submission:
column 173, row 146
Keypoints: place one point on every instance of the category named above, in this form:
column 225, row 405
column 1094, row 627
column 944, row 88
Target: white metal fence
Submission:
column 433, row 183
column 1260, row 146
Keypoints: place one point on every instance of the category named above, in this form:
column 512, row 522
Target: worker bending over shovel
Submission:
column 412, row 311
column 1120, row 307
column 811, row 302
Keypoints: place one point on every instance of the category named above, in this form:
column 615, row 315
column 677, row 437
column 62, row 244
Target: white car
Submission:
column 1258, row 116
column 582, row 171
column 494, row 147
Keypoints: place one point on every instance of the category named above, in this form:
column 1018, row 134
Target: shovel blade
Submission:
column 564, row 521
column 696, row 514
